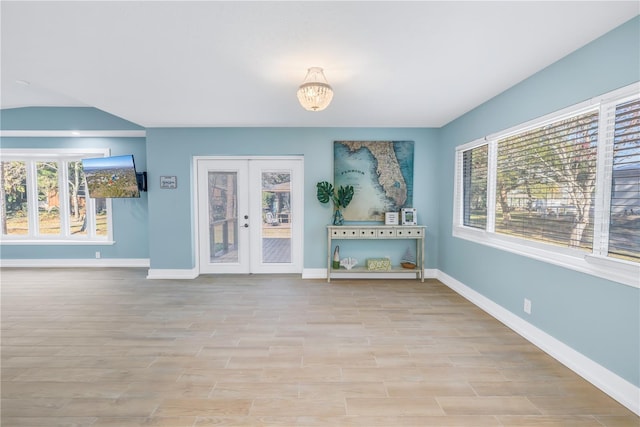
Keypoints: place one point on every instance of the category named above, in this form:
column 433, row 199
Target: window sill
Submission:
column 620, row 271
column 56, row 242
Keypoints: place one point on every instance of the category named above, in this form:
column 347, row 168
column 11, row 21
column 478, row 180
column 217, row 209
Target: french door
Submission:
column 249, row 215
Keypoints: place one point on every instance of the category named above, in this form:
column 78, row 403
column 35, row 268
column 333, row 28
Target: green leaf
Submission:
column 345, row 194
column 324, row 192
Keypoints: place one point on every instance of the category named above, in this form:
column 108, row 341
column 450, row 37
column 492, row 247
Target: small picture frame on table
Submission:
column 409, row 216
column 391, row 218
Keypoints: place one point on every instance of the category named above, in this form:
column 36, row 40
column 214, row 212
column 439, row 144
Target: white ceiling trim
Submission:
column 75, row 134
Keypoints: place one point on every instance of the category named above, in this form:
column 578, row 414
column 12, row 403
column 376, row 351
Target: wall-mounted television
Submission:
column 112, row 177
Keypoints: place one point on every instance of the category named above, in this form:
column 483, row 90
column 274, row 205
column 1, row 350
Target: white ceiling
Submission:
column 214, row 63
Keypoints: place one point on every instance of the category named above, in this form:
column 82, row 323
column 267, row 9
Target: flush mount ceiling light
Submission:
column 314, row 93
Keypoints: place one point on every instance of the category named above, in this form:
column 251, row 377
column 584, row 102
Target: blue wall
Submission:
column 129, row 216
column 62, row 118
column 597, row 317
column 170, row 152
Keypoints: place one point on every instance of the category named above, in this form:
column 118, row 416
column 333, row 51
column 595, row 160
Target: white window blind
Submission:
column 475, row 173
column 624, row 222
column 546, row 179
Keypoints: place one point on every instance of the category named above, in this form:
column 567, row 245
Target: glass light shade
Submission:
column 314, row 93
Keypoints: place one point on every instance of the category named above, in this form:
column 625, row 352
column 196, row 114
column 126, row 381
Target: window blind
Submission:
column 624, row 222
column 545, row 182
column 475, row 168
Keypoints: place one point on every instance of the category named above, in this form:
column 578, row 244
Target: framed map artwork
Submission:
column 381, row 173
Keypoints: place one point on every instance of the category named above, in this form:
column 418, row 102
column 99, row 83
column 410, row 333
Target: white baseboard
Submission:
column 75, row 263
column 431, row 273
column 166, row 273
column 314, row 273
column 610, row 383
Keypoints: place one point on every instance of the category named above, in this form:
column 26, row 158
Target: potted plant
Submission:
column 340, row 197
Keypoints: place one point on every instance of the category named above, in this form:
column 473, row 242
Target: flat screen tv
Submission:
column 111, row 177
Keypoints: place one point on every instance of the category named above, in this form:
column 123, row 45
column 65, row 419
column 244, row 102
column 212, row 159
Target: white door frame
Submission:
column 240, row 168
column 297, row 251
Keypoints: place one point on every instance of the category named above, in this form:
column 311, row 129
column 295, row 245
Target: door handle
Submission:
column 246, row 217
column 246, row 226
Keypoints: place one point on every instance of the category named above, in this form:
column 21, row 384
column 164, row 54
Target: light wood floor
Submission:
column 107, row 347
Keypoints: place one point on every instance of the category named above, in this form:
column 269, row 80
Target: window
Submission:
column 624, row 222
column 564, row 188
column 44, row 199
column 475, row 186
column 546, row 181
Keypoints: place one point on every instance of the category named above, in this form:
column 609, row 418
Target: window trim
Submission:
column 57, row 154
column 596, row 262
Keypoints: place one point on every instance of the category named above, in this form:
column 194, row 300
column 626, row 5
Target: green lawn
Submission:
column 50, row 225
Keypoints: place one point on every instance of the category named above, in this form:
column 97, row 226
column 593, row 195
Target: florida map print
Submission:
column 381, row 173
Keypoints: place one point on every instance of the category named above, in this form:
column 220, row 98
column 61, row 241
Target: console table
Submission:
column 377, row 232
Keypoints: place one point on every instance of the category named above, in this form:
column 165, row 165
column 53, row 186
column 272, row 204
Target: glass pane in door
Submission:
column 276, row 216
column 223, row 216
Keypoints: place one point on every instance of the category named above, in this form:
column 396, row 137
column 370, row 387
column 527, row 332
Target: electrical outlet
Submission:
column 527, row 306
column 97, row 254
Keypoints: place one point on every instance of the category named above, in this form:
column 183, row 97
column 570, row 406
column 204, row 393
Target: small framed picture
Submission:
column 391, row 218
column 409, row 216
column 170, row 182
